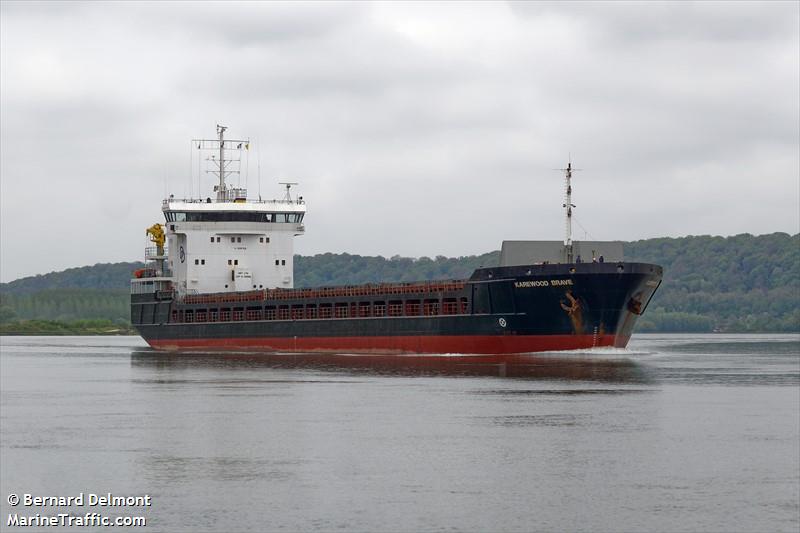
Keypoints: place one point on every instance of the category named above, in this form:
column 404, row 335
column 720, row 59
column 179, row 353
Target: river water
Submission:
column 675, row 433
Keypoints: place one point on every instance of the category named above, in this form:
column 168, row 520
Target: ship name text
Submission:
column 543, row 283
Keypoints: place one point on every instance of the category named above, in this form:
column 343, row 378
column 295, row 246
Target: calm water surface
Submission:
column 676, row 433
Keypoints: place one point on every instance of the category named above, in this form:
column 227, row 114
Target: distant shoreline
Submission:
column 737, row 284
column 56, row 328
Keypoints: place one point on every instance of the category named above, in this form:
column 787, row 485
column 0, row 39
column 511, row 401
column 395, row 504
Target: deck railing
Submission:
column 151, row 252
column 383, row 289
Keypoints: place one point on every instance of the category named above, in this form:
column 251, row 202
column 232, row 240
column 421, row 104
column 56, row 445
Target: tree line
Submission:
column 743, row 283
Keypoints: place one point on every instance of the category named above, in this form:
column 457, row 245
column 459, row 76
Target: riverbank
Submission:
column 56, row 327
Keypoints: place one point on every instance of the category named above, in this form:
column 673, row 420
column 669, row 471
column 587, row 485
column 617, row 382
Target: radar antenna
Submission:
column 288, row 184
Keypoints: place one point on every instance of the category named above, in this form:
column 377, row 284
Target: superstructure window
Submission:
column 232, row 216
column 283, row 261
column 277, row 262
column 235, row 261
column 230, row 261
column 172, row 216
column 233, row 239
column 217, row 239
column 261, row 239
column 212, row 239
column 238, row 239
column 196, row 261
column 202, row 261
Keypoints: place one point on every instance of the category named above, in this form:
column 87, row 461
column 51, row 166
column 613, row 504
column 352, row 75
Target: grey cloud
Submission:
column 628, row 22
column 255, row 24
column 407, row 137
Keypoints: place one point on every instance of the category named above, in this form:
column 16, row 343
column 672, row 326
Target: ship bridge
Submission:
column 266, row 211
column 228, row 242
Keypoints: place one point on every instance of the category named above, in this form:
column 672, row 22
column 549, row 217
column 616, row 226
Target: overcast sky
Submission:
column 413, row 128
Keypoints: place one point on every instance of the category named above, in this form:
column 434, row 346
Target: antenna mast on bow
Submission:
column 568, row 205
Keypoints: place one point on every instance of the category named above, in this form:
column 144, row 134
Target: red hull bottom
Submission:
column 475, row 344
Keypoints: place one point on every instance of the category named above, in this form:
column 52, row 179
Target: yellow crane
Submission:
column 157, row 236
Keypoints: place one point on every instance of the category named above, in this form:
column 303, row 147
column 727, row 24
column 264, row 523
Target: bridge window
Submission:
column 232, row 216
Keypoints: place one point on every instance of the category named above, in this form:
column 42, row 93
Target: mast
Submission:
column 221, row 133
column 224, row 161
column 568, row 205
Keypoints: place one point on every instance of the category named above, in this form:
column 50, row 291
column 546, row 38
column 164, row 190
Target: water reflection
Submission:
column 789, row 347
column 531, row 366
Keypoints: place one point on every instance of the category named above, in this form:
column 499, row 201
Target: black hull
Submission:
column 498, row 310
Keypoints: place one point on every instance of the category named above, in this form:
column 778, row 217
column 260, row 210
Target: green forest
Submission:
column 743, row 283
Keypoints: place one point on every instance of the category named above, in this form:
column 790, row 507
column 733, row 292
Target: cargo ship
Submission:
column 219, row 276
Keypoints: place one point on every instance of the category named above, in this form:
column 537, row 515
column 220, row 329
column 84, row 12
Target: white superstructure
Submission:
column 226, row 243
